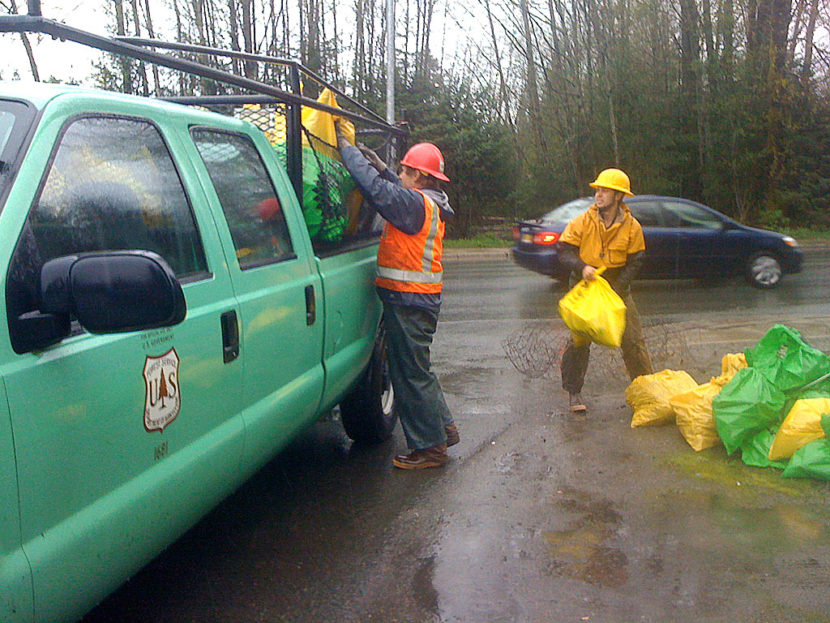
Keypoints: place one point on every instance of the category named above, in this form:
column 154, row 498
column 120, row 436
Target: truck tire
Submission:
column 368, row 412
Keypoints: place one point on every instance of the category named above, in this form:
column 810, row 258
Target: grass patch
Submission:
column 479, row 241
column 808, row 235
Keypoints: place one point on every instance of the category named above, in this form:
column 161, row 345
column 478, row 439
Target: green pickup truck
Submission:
column 170, row 325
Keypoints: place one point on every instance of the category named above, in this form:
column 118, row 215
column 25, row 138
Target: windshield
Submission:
column 565, row 213
column 15, row 118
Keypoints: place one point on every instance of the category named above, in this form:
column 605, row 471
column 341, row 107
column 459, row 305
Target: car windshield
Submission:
column 15, row 118
column 565, row 213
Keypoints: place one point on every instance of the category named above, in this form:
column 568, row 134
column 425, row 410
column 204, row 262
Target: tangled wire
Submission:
column 536, row 350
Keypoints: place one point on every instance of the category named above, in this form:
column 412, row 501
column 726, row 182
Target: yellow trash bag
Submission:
column 649, row 396
column 801, row 426
column 594, row 312
column 693, row 414
column 730, row 364
column 320, row 126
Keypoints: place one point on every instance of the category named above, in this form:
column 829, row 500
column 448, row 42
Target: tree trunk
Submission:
column 27, row 45
column 691, row 125
column 532, row 91
column 360, row 51
column 179, row 37
column 152, row 35
column 504, row 107
column 233, row 23
column 248, row 37
column 142, row 69
column 124, row 63
column 806, row 68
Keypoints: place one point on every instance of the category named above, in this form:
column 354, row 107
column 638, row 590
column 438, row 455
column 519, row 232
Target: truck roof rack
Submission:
column 255, row 91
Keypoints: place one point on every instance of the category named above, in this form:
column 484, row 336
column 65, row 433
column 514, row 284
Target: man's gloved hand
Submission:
column 342, row 141
column 372, row 157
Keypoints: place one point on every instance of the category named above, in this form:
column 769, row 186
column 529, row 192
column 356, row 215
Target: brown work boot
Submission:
column 575, row 403
column 452, row 435
column 436, row 456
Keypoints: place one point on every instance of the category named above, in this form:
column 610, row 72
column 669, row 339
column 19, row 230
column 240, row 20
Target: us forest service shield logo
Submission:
column 162, row 397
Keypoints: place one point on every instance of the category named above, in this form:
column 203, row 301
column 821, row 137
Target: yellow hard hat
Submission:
column 613, row 179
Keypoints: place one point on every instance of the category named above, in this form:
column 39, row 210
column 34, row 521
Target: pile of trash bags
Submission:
column 771, row 402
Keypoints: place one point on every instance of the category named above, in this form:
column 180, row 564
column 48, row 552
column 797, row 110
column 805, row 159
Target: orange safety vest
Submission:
column 412, row 263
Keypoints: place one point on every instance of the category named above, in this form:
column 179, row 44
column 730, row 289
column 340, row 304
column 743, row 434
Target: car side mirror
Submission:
column 108, row 292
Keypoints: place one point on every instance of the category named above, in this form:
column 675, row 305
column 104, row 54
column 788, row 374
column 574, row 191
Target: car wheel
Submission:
column 763, row 270
column 368, row 411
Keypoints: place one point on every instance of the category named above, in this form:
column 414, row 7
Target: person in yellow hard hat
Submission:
column 605, row 235
column 409, row 283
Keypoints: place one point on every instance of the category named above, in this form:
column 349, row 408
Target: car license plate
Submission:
column 527, row 237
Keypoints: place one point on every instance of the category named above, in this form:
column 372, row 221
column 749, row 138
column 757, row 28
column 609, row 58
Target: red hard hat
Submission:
column 269, row 208
column 426, row 157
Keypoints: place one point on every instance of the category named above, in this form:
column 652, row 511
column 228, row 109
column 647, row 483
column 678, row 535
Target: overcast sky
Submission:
column 54, row 58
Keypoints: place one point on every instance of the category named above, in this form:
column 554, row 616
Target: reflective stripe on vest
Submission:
column 411, row 276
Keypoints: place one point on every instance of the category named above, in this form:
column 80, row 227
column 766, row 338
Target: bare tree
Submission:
column 150, row 33
column 806, row 68
column 142, row 70
column 11, row 7
column 124, row 63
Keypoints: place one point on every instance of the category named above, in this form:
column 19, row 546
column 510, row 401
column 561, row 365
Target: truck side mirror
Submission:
column 108, row 292
column 113, row 291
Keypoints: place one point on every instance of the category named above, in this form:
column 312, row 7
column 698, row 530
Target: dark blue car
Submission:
column 684, row 239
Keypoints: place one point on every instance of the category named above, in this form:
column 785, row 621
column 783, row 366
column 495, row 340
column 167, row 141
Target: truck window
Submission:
column 248, row 198
column 111, row 185
column 15, row 119
column 335, row 214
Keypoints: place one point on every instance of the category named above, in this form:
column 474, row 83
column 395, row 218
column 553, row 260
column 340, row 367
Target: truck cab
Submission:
column 170, row 325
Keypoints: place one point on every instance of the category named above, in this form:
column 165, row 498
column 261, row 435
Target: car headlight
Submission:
column 789, row 241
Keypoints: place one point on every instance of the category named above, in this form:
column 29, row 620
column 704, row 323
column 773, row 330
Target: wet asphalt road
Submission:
column 541, row 516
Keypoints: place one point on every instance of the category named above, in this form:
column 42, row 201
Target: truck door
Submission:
column 15, row 576
column 122, row 441
column 276, row 284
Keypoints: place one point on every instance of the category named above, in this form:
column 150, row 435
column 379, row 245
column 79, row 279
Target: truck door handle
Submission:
column 310, row 306
column 230, row 336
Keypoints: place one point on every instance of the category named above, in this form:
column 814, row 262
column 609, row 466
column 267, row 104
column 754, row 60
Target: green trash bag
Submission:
column 787, row 360
column 812, row 460
column 746, row 405
column 326, row 186
column 756, row 451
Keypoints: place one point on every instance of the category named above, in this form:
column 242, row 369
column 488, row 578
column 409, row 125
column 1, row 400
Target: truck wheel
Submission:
column 368, row 412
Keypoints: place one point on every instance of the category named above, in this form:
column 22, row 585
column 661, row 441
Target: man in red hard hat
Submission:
column 605, row 235
column 409, row 283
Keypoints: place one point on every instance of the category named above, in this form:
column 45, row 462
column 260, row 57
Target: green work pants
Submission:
column 419, row 399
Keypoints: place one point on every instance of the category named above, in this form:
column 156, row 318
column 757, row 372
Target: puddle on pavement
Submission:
column 423, row 587
column 726, row 523
column 583, row 551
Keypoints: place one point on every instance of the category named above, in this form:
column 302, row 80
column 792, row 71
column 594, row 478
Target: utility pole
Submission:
column 390, row 76
column 390, row 61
